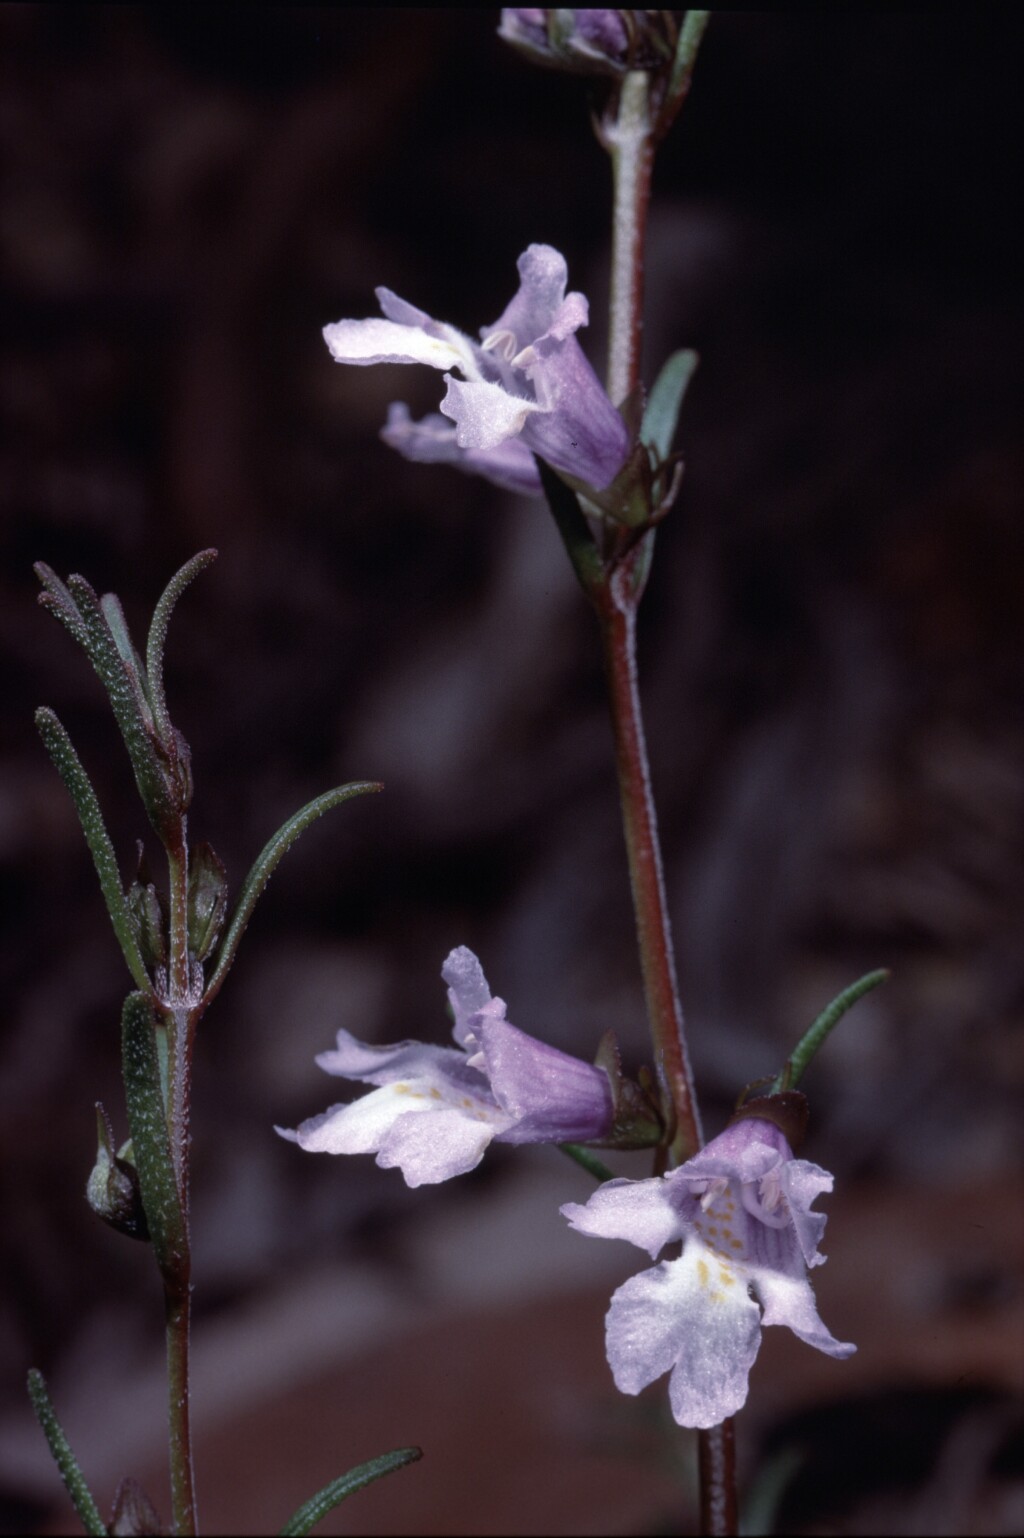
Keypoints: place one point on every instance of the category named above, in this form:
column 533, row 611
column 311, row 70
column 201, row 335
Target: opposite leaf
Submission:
column 69, row 767
column 158, row 636
column 67, row 1463
column 312, row 1511
column 266, row 863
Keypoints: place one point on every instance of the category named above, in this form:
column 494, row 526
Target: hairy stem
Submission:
column 630, row 143
column 631, row 139
column 617, row 614
column 716, row 1453
column 178, row 1318
column 180, row 1015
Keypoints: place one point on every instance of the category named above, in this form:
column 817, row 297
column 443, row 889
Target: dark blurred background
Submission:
column 831, row 661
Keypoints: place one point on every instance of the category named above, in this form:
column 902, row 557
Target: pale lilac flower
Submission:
column 742, row 1209
column 587, row 42
column 436, row 1108
column 526, row 388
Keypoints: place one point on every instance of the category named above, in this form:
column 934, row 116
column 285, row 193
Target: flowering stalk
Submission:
column 631, row 141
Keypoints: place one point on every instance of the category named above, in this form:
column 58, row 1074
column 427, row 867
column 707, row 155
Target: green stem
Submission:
column 630, row 143
column 180, row 1013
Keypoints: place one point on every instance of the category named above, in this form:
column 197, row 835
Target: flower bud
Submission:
column 112, row 1189
column 148, row 915
column 134, row 1515
column 207, row 901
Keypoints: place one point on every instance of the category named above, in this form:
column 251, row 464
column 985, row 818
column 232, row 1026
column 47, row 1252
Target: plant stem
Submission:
column 716, row 1454
column 183, row 1497
column 630, row 143
column 616, row 605
column 630, row 140
column 180, row 1015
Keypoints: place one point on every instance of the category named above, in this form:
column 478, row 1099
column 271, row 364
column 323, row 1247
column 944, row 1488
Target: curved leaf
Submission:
column 814, row 1037
column 67, row 1463
column 71, row 770
column 158, row 636
column 78, row 607
column 264, row 866
column 310, row 1513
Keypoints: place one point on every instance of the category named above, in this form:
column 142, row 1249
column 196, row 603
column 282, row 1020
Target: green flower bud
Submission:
column 207, row 901
column 112, row 1189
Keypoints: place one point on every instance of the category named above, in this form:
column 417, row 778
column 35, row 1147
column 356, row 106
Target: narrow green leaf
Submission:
column 690, row 36
column 829, row 1018
column 266, row 863
column 67, row 1463
column 316, row 1508
column 586, row 1160
column 127, row 701
column 658, row 429
column 151, row 1143
column 59, row 601
column 116, row 669
column 69, row 767
column 573, row 527
column 113, row 613
column 158, row 635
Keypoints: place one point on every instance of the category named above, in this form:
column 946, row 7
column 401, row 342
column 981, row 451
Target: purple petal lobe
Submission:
column 352, row 1059
column 400, row 310
column 428, row 1149
column 383, row 341
column 790, row 1301
column 468, row 992
column 542, row 278
column 691, row 1315
column 641, row 1211
column 484, row 414
column 432, row 441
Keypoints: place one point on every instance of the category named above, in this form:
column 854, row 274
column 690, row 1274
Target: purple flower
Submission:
column 587, row 42
column 742, row 1210
column 436, row 1108
column 526, row 389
